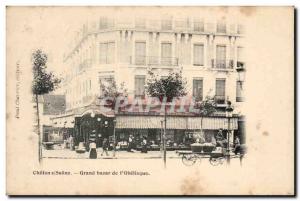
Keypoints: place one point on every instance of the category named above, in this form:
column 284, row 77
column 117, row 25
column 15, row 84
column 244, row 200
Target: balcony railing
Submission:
column 239, row 99
column 154, row 60
column 219, row 99
column 240, row 64
column 222, row 64
column 185, row 25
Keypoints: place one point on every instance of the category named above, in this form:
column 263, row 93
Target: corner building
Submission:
column 123, row 49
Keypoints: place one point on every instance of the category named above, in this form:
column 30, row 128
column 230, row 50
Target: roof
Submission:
column 54, row 104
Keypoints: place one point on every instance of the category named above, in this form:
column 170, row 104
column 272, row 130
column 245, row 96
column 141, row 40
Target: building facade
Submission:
column 207, row 53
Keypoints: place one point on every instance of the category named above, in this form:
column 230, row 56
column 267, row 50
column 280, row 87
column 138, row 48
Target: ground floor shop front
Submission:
column 180, row 132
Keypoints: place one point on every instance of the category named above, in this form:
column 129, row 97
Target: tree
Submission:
column 206, row 108
column 166, row 89
column 111, row 92
column 42, row 83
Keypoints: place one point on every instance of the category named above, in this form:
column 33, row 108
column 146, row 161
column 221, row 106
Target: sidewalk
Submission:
column 68, row 154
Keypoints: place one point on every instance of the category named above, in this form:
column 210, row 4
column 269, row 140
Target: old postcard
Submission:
column 150, row 100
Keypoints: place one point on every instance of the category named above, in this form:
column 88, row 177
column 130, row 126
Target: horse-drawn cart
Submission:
column 216, row 157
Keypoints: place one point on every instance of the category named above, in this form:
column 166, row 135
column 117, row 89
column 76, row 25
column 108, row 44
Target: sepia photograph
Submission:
column 127, row 97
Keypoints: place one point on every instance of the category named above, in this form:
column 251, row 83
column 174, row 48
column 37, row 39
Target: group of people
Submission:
column 220, row 141
column 105, row 146
column 132, row 144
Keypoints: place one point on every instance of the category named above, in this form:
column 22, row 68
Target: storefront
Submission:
column 180, row 132
column 97, row 125
column 180, row 129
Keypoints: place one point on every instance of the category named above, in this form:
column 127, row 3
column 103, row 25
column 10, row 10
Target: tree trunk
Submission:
column 201, row 130
column 38, row 127
column 164, row 139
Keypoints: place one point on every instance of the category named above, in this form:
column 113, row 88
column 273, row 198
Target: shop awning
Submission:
column 154, row 122
column 212, row 123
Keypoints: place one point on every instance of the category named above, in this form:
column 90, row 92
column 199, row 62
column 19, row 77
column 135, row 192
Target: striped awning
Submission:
column 212, row 123
column 155, row 122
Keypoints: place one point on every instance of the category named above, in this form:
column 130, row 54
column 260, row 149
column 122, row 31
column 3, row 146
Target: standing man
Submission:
column 105, row 145
column 71, row 141
column 130, row 143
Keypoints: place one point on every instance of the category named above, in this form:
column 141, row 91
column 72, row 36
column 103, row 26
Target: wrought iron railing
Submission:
column 154, row 60
column 222, row 64
column 220, row 99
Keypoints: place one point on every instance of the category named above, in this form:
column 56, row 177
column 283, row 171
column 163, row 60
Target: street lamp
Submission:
column 114, row 145
column 228, row 110
column 241, row 74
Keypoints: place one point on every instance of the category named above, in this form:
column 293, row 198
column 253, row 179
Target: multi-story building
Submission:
column 208, row 53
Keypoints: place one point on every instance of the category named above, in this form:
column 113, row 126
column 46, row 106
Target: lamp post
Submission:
column 228, row 110
column 161, row 136
column 114, row 144
column 241, row 73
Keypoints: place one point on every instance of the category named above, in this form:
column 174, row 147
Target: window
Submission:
column 182, row 24
column 103, row 23
column 220, row 91
column 139, row 85
column 198, row 55
column 107, row 53
column 166, row 54
column 239, row 90
column 198, row 89
column 140, row 53
column 140, row 23
column 240, row 29
column 198, row 26
column 166, row 25
column 221, row 27
column 240, row 53
column 221, row 56
column 240, row 57
column 106, row 81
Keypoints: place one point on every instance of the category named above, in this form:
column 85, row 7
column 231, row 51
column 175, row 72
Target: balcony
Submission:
column 240, row 65
column 220, row 99
column 153, row 61
column 222, row 64
column 239, row 99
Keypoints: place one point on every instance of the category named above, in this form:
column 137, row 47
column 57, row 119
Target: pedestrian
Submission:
column 144, row 145
column 93, row 151
column 220, row 138
column 130, row 143
column 71, row 141
column 237, row 145
column 104, row 147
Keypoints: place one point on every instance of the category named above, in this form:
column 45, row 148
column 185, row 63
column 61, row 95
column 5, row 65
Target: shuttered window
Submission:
column 107, row 53
column 140, row 53
column 139, row 85
column 198, row 25
column 220, row 91
column 199, row 54
column 166, row 25
column 240, row 54
column 166, row 53
column 221, row 56
column 221, row 27
column 239, row 90
column 198, row 89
